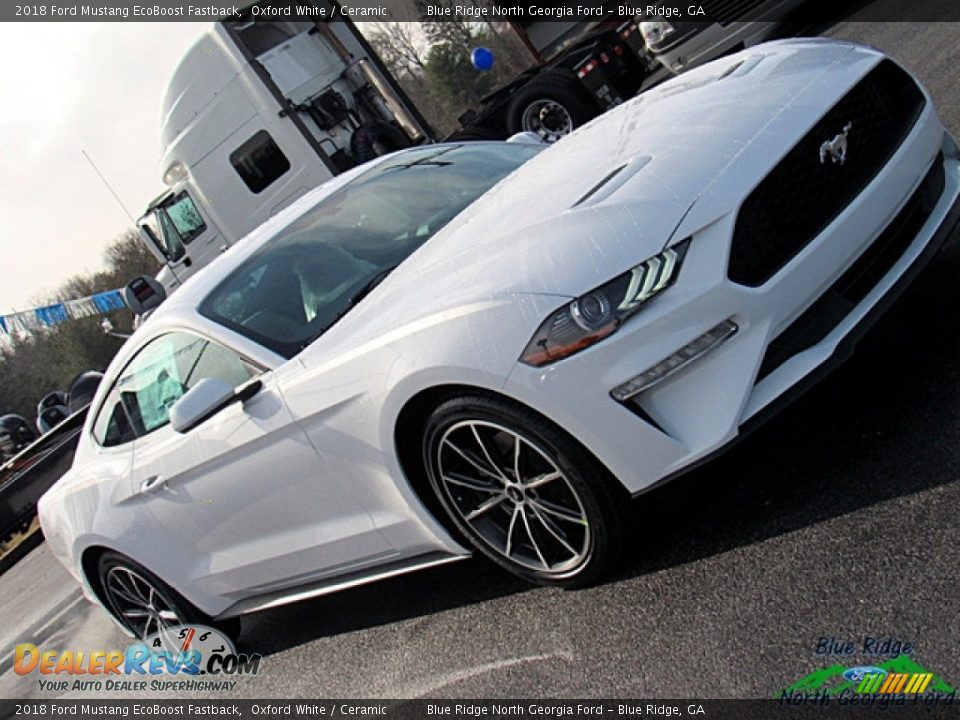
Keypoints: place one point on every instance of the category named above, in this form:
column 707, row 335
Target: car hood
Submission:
column 617, row 190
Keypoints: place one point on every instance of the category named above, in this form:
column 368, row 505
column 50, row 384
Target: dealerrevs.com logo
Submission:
column 170, row 660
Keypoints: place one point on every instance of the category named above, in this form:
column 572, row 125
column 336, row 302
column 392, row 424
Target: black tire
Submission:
column 170, row 599
column 951, row 249
column 524, row 531
column 373, row 139
column 557, row 88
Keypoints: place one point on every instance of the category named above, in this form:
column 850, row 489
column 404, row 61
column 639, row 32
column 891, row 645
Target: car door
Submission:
column 241, row 495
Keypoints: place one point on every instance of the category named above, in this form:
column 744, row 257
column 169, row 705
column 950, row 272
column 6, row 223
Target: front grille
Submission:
column 801, row 196
column 853, row 286
column 726, row 11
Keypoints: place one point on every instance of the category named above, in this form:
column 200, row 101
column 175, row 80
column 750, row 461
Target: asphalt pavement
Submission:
column 837, row 520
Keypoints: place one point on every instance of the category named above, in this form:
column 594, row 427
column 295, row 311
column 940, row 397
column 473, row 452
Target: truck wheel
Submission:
column 551, row 105
column 375, row 139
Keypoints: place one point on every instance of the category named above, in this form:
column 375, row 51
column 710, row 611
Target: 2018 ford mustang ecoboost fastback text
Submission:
column 495, row 344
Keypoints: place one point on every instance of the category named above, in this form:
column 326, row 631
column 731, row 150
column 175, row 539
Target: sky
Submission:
column 69, row 88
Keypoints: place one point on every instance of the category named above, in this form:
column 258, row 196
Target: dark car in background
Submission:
column 30, row 465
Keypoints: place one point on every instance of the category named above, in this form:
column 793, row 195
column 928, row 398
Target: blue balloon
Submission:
column 482, row 58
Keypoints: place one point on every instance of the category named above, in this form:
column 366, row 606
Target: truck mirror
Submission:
column 143, row 294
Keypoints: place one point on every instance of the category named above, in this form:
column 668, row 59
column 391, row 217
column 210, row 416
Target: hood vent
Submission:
column 612, row 182
column 741, row 68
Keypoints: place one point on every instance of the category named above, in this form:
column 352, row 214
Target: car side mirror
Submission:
column 206, row 399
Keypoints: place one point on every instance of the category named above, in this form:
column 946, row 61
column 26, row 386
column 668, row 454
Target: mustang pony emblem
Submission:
column 836, row 149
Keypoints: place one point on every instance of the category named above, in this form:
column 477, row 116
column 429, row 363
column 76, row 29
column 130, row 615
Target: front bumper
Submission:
column 702, row 408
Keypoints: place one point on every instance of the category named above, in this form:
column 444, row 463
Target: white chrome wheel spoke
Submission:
column 558, row 511
column 473, row 462
column 513, row 521
column 485, row 507
column 533, row 540
column 472, row 484
column 120, row 591
column 516, row 458
column 134, row 588
column 486, row 454
column 129, row 589
column 542, row 480
column 550, row 528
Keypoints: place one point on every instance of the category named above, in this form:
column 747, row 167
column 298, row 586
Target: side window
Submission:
column 112, row 426
column 185, row 217
column 159, row 375
column 215, row 361
column 259, row 161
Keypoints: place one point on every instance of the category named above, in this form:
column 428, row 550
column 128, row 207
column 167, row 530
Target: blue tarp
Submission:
column 52, row 314
column 110, row 300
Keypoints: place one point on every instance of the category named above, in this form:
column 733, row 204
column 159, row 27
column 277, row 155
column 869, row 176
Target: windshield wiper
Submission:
column 354, row 300
column 427, row 161
column 366, row 289
column 419, row 163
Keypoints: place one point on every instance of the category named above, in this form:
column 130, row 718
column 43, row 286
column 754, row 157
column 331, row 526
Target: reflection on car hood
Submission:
column 615, row 192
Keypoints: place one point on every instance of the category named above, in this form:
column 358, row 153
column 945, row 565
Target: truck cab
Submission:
column 257, row 114
column 169, row 228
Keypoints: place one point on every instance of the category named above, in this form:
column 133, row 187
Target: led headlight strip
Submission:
column 598, row 313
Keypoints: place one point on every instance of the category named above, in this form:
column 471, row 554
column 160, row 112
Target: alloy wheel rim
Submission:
column 143, row 608
column 514, row 497
column 548, row 118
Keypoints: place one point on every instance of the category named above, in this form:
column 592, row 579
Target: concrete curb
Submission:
column 74, row 597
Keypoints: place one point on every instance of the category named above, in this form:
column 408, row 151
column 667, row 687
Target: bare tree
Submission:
column 397, row 47
column 47, row 359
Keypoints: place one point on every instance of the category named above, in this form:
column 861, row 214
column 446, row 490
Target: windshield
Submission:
column 185, row 218
column 301, row 282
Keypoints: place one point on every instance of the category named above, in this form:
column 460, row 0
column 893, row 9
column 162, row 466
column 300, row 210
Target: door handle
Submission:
column 152, row 484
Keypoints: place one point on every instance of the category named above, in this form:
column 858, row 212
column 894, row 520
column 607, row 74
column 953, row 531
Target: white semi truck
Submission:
column 261, row 111
column 257, row 114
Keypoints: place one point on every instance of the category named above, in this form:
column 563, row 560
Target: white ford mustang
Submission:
column 495, row 344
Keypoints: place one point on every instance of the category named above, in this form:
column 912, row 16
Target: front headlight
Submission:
column 655, row 31
column 600, row 312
